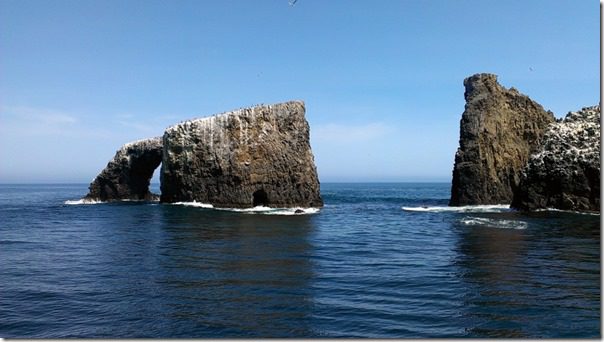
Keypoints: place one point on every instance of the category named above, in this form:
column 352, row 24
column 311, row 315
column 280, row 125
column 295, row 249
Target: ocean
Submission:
column 360, row 267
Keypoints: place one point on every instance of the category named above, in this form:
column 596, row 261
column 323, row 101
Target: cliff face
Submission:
column 499, row 130
column 248, row 157
column 565, row 171
column 128, row 174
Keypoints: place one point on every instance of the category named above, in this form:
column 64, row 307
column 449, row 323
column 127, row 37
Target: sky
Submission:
column 382, row 80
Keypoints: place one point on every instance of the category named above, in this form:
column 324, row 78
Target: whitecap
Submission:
column 495, row 223
column 570, row 211
column 195, row 204
column 82, row 201
column 490, row 208
column 274, row 211
column 255, row 210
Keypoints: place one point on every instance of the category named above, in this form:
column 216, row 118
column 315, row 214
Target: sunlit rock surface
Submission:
column 127, row 175
column 499, row 130
column 240, row 159
column 565, row 172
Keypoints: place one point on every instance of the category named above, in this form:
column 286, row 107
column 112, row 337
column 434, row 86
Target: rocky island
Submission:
column 499, row 130
column 512, row 151
column 127, row 175
column 565, row 172
column 257, row 156
column 240, row 159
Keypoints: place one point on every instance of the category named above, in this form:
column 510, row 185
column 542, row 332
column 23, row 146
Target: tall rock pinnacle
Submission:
column 499, row 130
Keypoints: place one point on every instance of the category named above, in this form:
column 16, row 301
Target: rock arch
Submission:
column 128, row 174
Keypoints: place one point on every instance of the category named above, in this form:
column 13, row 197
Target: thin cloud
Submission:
column 41, row 115
column 18, row 122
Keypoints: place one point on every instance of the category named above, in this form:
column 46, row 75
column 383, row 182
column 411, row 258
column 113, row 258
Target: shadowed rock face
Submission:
column 499, row 130
column 565, row 171
column 128, row 174
column 240, row 159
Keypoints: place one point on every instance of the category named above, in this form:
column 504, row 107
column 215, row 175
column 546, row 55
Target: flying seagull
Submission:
column 292, row 2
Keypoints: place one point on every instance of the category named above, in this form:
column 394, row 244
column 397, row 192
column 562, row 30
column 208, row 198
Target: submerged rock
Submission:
column 565, row 172
column 240, row 159
column 499, row 130
column 128, row 174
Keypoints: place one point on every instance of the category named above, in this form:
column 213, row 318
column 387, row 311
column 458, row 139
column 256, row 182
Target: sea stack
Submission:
column 565, row 172
column 499, row 130
column 128, row 174
column 240, row 159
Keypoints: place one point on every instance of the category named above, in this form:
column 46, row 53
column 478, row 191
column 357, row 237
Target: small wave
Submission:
column 255, row 210
column 569, row 211
column 13, row 242
column 496, row 223
column 491, row 208
column 274, row 211
column 82, row 201
column 195, row 204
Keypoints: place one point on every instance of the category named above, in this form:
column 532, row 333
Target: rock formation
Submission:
column 245, row 158
column 565, row 172
column 128, row 174
column 499, row 130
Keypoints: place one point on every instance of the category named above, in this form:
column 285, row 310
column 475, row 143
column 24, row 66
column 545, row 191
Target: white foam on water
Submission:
column 91, row 201
column 82, row 201
column 195, row 204
column 490, row 208
column 570, row 211
column 255, row 210
column 274, row 211
column 495, row 223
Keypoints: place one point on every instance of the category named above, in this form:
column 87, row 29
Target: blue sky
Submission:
column 382, row 80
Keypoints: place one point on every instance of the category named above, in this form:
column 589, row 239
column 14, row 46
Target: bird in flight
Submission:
column 292, row 2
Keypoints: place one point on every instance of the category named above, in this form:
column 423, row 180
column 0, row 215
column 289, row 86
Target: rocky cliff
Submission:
column 565, row 172
column 128, row 174
column 244, row 158
column 499, row 130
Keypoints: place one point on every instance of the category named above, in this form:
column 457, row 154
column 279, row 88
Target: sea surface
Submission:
column 360, row 267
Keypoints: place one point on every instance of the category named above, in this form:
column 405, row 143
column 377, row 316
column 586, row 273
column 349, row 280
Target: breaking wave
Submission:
column 255, row 210
column 570, row 211
column 494, row 208
column 495, row 223
column 91, row 201
column 195, row 204
column 82, row 201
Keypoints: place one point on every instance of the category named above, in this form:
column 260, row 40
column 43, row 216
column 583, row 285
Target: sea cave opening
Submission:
column 155, row 181
column 260, row 198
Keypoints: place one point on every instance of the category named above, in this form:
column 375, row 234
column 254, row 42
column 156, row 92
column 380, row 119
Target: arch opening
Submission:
column 260, row 198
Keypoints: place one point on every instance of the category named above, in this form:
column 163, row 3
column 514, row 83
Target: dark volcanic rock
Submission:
column 499, row 130
column 128, row 174
column 245, row 158
column 565, row 171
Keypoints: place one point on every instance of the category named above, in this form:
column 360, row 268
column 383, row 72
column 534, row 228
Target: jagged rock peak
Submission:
column 565, row 172
column 499, row 129
column 243, row 158
column 128, row 174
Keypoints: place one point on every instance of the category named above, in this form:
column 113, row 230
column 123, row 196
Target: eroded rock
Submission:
column 244, row 158
column 565, row 172
column 128, row 174
column 499, row 130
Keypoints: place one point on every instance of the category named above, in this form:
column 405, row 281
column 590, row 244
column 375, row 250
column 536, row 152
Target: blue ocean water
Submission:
column 361, row 267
